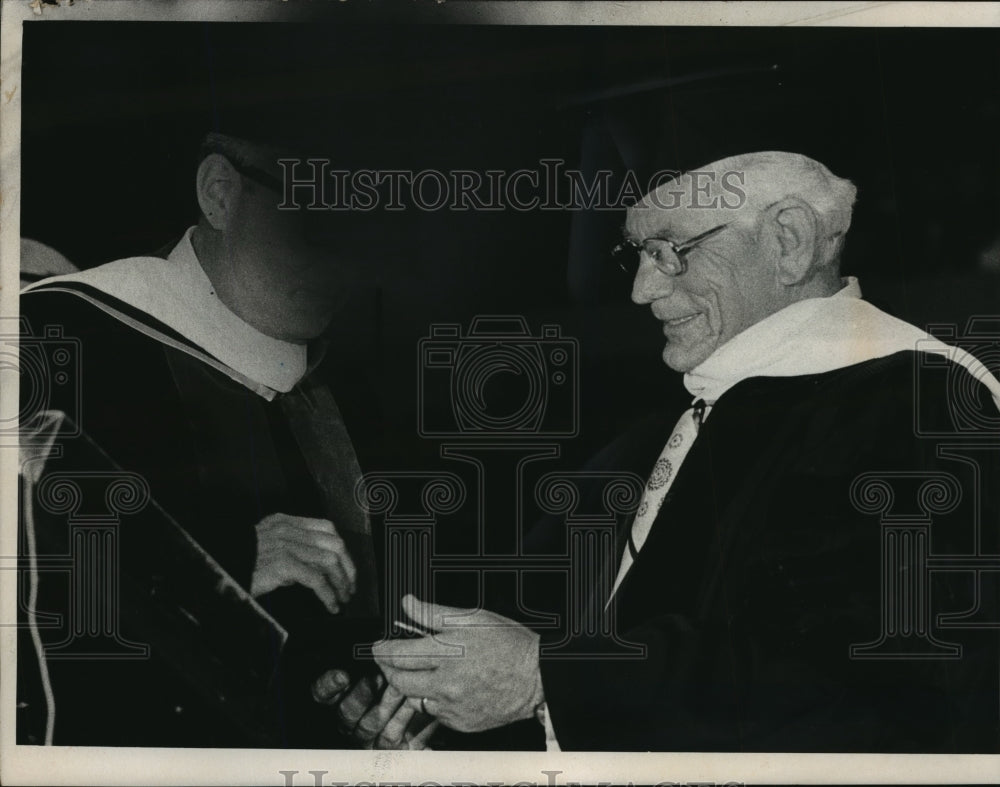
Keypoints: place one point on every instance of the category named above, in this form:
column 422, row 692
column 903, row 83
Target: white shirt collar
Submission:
column 178, row 293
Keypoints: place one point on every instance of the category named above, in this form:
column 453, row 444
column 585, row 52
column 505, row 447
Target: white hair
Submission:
column 763, row 179
column 773, row 175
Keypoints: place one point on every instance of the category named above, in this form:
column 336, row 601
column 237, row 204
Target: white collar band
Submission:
column 178, row 293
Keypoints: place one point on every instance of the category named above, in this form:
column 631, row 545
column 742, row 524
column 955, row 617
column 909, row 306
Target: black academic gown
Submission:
column 760, row 573
column 218, row 458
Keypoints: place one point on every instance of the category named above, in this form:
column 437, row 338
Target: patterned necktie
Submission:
column 659, row 483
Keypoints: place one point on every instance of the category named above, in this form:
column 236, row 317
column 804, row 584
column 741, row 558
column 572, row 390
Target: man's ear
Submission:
column 219, row 185
column 797, row 231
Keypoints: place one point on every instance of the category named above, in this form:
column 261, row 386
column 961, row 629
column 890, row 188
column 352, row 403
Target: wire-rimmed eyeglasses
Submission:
column 669, row 257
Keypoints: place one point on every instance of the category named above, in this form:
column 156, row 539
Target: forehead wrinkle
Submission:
column 676, row 191
column 682, row 222
column 651, row 221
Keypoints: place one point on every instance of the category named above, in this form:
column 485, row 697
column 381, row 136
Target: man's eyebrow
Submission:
column 659, row 235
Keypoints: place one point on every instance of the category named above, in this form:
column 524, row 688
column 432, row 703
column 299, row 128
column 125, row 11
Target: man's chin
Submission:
column 684, row 359
column 304, row 331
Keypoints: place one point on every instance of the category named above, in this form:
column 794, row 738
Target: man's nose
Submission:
column 650, row 284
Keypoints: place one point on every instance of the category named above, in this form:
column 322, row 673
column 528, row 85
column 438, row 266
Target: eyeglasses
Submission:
column 318, row 229
column 257, row 175
column 669, row 257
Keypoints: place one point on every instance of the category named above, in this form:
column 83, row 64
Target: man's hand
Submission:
column 299, row 550
column 387, row 723
column 478, row 671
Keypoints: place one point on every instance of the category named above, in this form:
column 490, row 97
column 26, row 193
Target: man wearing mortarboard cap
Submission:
column 812, row 563
column 197, row 373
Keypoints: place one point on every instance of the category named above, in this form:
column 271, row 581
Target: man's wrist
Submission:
column 541, row 711
column 537, row 703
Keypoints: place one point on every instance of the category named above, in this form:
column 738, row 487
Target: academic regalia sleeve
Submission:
column 124, row 396
column 766, row 663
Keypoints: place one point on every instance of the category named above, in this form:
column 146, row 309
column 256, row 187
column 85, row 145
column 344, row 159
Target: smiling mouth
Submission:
column 678, row 321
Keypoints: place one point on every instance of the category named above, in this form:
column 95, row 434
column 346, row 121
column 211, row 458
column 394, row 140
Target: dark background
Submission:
column 113, row 114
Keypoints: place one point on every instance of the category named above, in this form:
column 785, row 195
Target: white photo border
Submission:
column 126, row 766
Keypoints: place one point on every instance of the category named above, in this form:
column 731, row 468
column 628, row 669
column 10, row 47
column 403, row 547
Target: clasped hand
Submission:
column 305, row 551
column 478, row 670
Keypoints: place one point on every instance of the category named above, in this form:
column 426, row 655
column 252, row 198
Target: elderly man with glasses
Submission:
column 760, row 595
